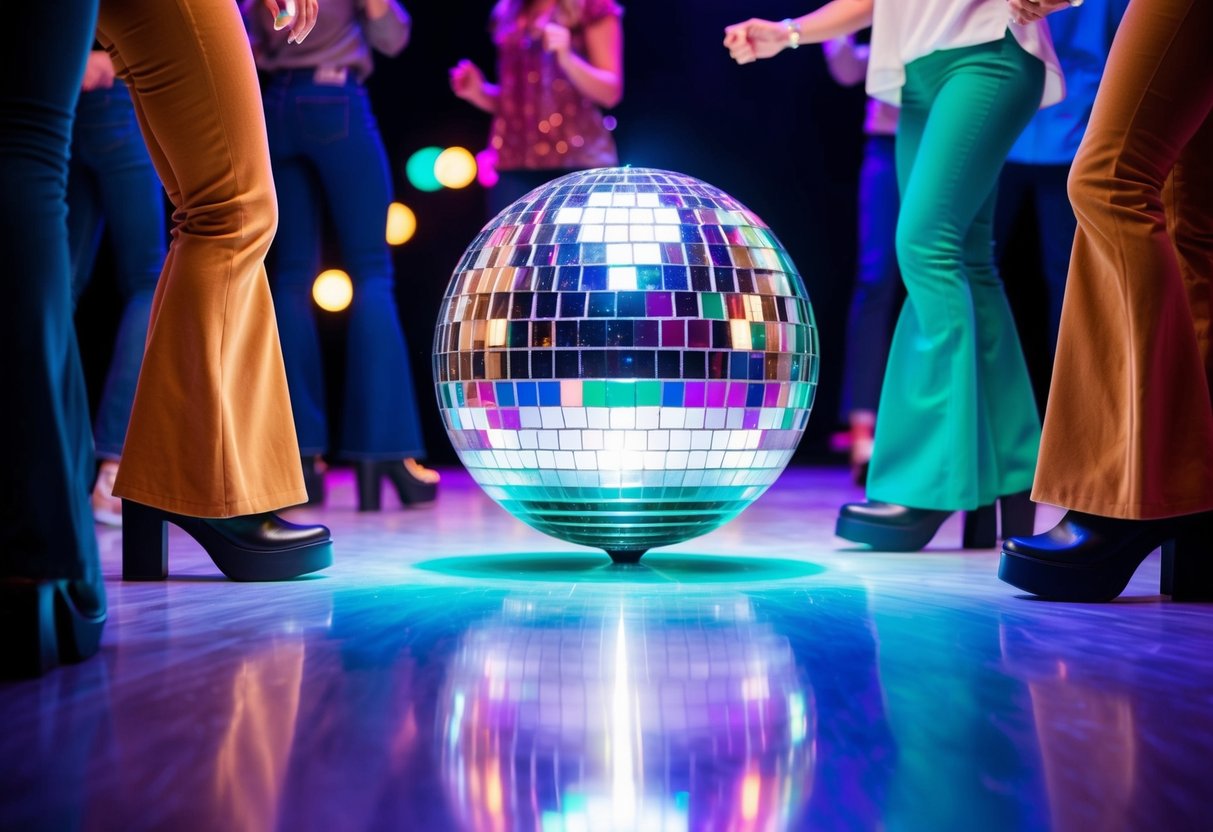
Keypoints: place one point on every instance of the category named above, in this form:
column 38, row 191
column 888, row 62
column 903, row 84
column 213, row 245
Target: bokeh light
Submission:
column 419, row 169
column 333, row 290
column 625, row 358
column 401, row 224
column 455, row 167
column 486, row 168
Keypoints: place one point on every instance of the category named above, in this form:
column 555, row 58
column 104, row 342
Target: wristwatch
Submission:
column 794, row 31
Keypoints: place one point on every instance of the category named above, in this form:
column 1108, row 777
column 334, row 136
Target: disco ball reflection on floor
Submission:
column 625, row 358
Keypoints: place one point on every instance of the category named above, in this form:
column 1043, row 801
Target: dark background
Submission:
column 779, row 135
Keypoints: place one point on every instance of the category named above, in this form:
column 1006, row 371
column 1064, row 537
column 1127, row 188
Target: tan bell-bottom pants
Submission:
column 211, row 433
column 1128, row 431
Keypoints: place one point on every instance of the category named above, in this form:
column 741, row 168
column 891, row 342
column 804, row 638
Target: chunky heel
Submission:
column 1018, row 515
column 979, row 528
column 1187, row 563
column 252, row 547
column 1088, row 557
column 313, row 479
column 144, row 543
column 410, row 489
column 369, row 491
column 44, row 625
column 27, row 613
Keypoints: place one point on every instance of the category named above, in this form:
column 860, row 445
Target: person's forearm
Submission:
column 601, row 86
column 487, row 98
column 386, row 26
column 833, row 20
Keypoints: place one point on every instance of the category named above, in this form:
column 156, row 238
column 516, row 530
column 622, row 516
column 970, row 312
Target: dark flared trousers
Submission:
column 46, row 524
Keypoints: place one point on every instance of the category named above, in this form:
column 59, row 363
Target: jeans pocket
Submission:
column 323, row 119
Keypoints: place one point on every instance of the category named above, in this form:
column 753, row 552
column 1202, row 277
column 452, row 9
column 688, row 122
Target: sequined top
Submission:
column 542, row 121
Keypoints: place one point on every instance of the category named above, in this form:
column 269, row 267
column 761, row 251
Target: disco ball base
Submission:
column 625, row 358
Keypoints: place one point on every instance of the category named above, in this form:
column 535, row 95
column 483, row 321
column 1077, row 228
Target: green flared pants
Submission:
column 958, row 423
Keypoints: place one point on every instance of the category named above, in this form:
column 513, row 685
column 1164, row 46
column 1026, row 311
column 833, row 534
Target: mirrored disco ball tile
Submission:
column 625, row 358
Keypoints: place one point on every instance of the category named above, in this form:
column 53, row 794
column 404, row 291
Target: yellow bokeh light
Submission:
column 401, row 224
column 333, row 290
column 455, row 167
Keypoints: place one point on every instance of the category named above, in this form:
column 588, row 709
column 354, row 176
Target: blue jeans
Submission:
column 46, row 523
column 878, row 292
column 111, row 183
column 326, row 152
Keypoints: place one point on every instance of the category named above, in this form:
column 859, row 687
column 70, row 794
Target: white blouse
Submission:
column 905, row 30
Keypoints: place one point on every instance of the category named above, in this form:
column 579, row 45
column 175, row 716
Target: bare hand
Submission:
column 556, row 39
column 299, row 15
column 467, row 81
column 754, row 39
column 1030, row 11
column 98, row 72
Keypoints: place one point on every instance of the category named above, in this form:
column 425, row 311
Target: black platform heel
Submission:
column 980, row 529
column 411, row 490
column 369, row 488
column 254, row 547
column 888, row 527
column 313, row 479
column 1018, row 514
column 1087, row 557
column 47, row 623
column 1187, row 563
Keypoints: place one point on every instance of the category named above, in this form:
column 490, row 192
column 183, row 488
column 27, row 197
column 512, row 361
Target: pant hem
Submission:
column 234, row 508
column 1124, row 511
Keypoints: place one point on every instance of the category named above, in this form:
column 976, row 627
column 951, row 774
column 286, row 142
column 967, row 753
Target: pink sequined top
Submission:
column 542, row 121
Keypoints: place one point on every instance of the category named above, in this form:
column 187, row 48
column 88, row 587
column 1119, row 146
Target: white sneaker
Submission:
column 107, row 509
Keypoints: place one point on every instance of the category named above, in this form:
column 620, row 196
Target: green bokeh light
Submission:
column 420, row 169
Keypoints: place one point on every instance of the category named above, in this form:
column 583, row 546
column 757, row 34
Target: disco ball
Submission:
column 625, row 358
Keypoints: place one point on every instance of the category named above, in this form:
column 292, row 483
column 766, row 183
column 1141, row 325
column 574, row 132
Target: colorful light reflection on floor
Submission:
column 458, row 670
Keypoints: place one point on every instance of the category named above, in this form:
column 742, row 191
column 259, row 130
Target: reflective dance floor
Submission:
column 456, row 670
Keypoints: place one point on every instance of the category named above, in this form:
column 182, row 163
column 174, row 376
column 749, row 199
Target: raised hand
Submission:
column 467, row 81
column 755, row 38
column 299, row 15
column 1030, row 11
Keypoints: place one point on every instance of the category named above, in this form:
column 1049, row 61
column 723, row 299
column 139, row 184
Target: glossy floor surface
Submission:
column 456, row 670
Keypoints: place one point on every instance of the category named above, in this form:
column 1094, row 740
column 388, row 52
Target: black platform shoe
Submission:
column 1017, row 515
column 313, row 479
column 410, row 489
column 1086, row 557
column 48, row 622
column 888, row 527
column 255, row 547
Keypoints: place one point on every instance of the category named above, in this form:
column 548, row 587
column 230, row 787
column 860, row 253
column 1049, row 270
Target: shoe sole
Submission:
column 885, row 538
column 43, row 629
column 277, row 565
column 1057, row 582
